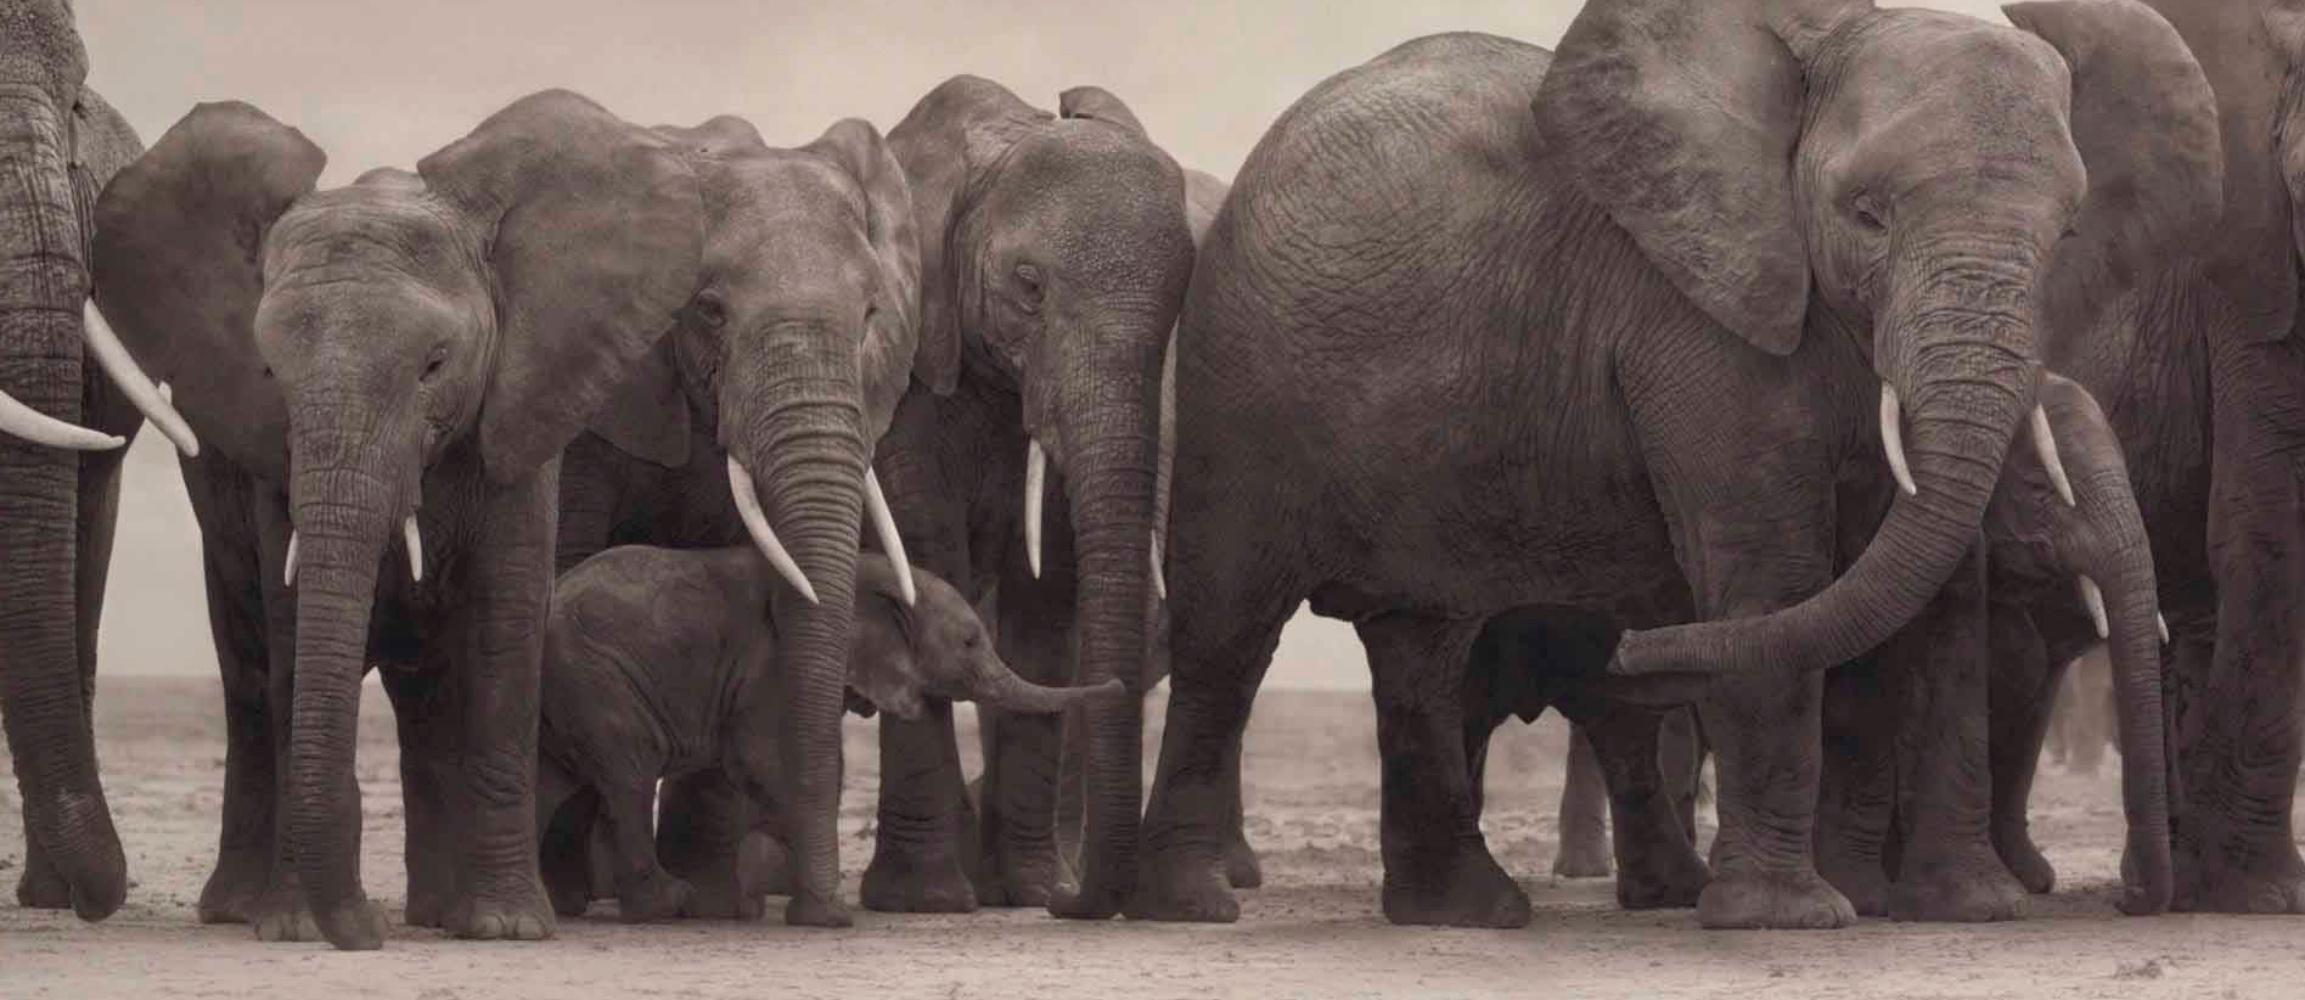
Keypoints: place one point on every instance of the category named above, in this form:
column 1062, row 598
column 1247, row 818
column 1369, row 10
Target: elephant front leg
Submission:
column 429, row 731
column 701, row 828
column 917, row 861
column 1018, row 864
column 1764, row 872
column 1857, row 794
column 1657, row 865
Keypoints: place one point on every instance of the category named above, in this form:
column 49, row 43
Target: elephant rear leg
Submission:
column 2024, row 685
column 1584, row 829
column 1857, row 794
column 565, row 815
column 1657, row 864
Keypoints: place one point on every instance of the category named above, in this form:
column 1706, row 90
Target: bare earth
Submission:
column 1314, row 932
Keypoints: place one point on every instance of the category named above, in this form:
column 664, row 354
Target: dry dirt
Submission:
column 1313, row 932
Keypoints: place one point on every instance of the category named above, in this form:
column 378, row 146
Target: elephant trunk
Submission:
column 2133, row 621
column 798, row 426
column 1957, row 344
column 996, row 685
column 43, row 695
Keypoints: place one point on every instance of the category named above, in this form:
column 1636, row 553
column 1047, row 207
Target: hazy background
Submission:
column 382, row 84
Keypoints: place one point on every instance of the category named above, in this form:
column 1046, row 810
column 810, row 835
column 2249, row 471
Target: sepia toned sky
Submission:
column 382, row 84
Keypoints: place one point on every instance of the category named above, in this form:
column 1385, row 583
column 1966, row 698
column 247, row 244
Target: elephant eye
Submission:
column 1028, row 287
column 433, row 364
column 1868, row 212
column 709, row 311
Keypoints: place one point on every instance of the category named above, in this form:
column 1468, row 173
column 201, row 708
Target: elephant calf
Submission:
column 662, row 662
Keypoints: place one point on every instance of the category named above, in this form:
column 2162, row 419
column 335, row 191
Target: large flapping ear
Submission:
column 885, row 667
column 1681, row 119
column 598, row 237
column 177, row 262
column 946, row 143
column 2285, row 30
column 1097, row 104
column 646, row 415
column 2145, row 122
column 1204, row 195
column 2240, row 46
column 893, row 348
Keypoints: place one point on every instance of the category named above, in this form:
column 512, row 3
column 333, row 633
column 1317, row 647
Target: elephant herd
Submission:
column 1795, row 380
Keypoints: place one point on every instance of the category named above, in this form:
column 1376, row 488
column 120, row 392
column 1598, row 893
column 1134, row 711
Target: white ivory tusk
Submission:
column 2045, row 445
column 884, row 524
column 2161, row 621
column 2095, row 599
column 113, row 357
column 415, row 544
column 1893, row 440
column 1160, row 580
column 1035, row 483
column 288, row 576
column 747, row 495
column 39, row 428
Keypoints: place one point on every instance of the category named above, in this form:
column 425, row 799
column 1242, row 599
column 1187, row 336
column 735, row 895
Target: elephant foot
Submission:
column 571, row 897
column 1019, row 877
column 1472, row 892
column 652, row 898
column 897, row 883
column 1971, row 889
column 1170, row 888
column 1242, row 869
column 2234, row 891
column 1862, row 880
column 723, row 897
column 1667, row 880
column 281, row 915
column 816, row 911
column 1582, row 857
column 519, row 911
column 2024, row 861
column 1797, row 900
column 41, row 886
column 763, row 867
column 426, row 908
column 233, row 889
column 355, row 926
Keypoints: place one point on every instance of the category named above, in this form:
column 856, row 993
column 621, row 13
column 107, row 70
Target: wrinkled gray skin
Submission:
column 1365, row 417
column 411, row 345
column 2201, row 368
column 791, row 356
column 659, row 662
column 1585, row 849
column 1054, row 256
column 61, row 143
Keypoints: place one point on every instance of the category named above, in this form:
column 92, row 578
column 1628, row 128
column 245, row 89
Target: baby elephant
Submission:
column 662, row 662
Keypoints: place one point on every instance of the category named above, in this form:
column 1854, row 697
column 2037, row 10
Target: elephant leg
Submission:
column 428, row 733
column 1657, row 864
column 645, row 892
column 701, row 826
column 2024, row 685
column 1857, row 789
column 917, row 858
column 1071, row 790
column 1681, row 758
column 566, row 815
column 1018, row 864
column 1584, row 828
column 1242, row 869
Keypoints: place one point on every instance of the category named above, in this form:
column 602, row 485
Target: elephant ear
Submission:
column 2285, row 29
column 2145, row 122
column 176, row 261
column 1681, row 120
column 893, row 346
column 955, row 136
column 1097, row 104
column 1204, row 194
column 598, row 238
column 885, row 665
column 646, row 415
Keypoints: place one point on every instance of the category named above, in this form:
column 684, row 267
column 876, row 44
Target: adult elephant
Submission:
column 382, row 366
column 1054, row 256
column 2201, row 368
column 61, row 430
column 1445, row 358
column 788, row 360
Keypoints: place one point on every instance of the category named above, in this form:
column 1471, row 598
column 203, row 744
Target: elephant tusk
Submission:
column 2095, row 599
column 1035, row 483
column 113, row 357
column 288, row 575
column 415, row 544
column 1160, row 580
column 747, row 495
column 1893, row 440
column 39, row 428
column 884, row 524
column 2162, row 622
column 2045, row 444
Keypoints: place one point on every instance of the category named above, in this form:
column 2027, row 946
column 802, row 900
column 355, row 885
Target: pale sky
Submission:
column 382, row 84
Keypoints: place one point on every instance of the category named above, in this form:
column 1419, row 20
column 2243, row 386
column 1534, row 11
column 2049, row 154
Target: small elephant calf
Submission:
column 662, row 662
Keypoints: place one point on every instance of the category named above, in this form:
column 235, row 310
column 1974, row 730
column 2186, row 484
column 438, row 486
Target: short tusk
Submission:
column 2045, row 444
column 415, row 544
column 2162, row 622
column 747, row 495
column 39, row 428
column 288, row 576
column 884, row 524
column 1035, row 483
column 2095, row 599
column 1160, row 580
column 1893, row 440
column 113, row 357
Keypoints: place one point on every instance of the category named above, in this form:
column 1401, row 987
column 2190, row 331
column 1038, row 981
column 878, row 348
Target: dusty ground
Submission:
column 1313, row 932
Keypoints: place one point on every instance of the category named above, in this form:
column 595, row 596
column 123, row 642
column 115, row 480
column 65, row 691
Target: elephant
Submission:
column 1443, row 357
column 2200, row 365
column 1585, row 848
column 790, row 360
column 1054, row 256
column 661, row 661
column 387, row 372
column 61, row 430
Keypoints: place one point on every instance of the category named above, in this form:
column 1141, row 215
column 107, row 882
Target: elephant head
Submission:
column 2068, row 520
column 1054, row 257
column 937, row 647
column 455, row 325
column 59, row 143
column 1904, row 179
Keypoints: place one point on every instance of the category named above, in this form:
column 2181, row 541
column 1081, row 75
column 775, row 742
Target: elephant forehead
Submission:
column 385, row 232
column 1931, row 85
column 790, row 213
